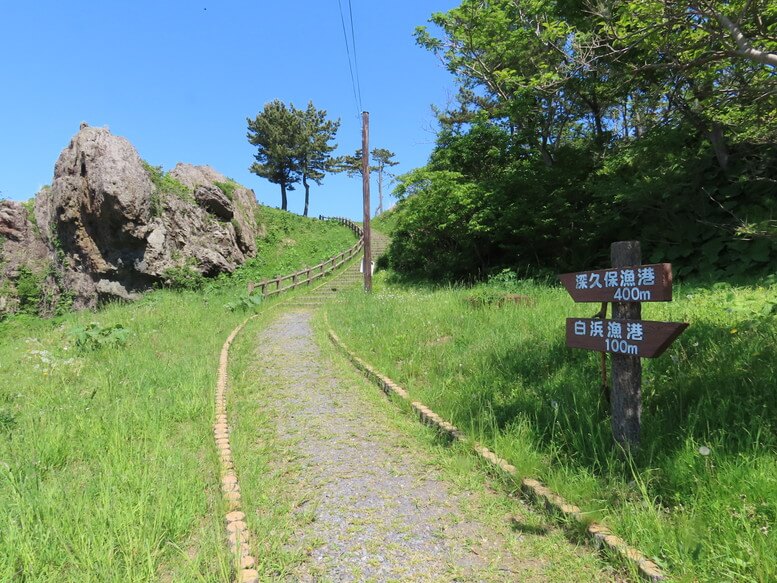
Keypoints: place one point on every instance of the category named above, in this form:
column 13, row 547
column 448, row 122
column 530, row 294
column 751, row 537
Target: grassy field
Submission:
column 108, row 471
column 701, row 495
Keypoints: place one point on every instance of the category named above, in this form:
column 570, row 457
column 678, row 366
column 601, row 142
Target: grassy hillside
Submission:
column 108, row 470
column 701, row 496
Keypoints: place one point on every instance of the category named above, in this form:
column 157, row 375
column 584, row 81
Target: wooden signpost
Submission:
column 626, row 336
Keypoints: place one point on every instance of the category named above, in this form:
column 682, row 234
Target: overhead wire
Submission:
column 348, row 54
column 352, row 65
column 355, row 57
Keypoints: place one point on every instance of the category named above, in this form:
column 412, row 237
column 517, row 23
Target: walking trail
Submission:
column 382, row 505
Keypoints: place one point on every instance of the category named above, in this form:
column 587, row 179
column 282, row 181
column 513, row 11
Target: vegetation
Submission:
column 700, row 496
column 290, row 243
column 292, row 145
column 107, row 465
column 578, row 124
column 382, row 159
column 228, row 188
column 164, row 185
column 315, row 152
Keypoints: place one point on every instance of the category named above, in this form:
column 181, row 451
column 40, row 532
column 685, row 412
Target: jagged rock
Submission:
column 23, row 256
column 213, row 200
column 13, row 220
column 243, row 201
column 107, row 232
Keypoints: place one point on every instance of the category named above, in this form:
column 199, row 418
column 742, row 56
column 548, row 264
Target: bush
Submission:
column 228, row 188
column 184, row 277
column 94, row 336
column 165, row 184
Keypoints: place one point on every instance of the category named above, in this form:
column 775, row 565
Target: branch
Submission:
column 746, row 49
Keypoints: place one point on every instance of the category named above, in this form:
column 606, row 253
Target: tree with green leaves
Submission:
column 381, row 158
column 277, row 134
column 313, row 158
column 581, row 122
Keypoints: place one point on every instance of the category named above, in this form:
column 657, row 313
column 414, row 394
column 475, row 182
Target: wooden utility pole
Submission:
column 366, row 193
column 626, row 397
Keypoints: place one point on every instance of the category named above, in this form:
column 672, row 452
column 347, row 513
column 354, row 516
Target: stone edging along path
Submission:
column 237, row 529
column 238, row 534
column 602, row 537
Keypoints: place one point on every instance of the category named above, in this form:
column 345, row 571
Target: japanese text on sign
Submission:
column 642, row 283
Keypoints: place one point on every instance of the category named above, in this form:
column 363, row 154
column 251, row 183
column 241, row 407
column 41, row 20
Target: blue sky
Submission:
column 178, row 79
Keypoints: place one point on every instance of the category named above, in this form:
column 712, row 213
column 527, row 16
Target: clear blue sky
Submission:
column 178, row 79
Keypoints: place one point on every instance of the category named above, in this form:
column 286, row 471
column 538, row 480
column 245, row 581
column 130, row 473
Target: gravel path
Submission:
column 381, row 511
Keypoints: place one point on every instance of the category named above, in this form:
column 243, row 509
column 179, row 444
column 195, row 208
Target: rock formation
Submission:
column 111, row 226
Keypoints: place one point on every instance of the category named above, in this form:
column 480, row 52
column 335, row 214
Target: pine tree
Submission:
column 277, row 134
column 313, row 158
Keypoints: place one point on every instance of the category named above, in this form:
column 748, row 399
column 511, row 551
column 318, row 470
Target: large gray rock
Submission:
column 110, row 233
column 243, row 200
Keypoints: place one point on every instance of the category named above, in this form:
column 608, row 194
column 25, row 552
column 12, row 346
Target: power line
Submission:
column 356, row 95
column 355, row 59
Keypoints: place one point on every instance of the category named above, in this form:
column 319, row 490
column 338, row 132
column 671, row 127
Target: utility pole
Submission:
column 366, row 193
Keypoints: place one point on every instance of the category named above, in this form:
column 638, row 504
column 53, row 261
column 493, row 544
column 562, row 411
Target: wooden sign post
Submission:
column 626, row 336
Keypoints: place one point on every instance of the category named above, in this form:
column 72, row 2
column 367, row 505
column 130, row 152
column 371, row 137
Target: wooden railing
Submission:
column 306, row 276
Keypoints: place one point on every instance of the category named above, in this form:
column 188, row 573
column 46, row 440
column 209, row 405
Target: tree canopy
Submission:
column 382, row 160
column 276, row 133
column 293, row 145
column 583, row 122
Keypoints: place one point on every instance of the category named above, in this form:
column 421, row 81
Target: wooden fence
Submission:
column 271, row 287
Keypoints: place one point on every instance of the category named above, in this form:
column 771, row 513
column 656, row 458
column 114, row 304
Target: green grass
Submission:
column 291, row 242
column 108, row 470
column 504, row 375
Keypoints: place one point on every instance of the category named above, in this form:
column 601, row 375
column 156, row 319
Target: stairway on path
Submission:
column 349, row 277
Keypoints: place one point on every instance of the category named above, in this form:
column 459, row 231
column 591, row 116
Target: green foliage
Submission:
column 290, row 243
column 7, row 421
column 228, row 188
column 29, row 207
column 581, row 127
column 245, row 303
column 28, row 290
column 506, row 378
column 95, row 336
column 292, row 145
column 165, row 185
column 183, row 277
column 112, row 445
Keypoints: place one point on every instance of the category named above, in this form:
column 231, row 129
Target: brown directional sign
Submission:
column 643, row 338
column 640, row 283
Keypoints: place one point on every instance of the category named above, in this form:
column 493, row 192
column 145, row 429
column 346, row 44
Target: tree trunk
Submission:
column 307, row 194
column 284, row 203
column 718, row 141
column 380, row 191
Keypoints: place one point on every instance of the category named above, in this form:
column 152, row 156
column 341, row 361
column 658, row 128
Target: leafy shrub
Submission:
column 245, row 303
column 184, row 277
column 165, row 184
column 94, row 336
column 28, row 290
column 228, row 188
column 7, row 421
